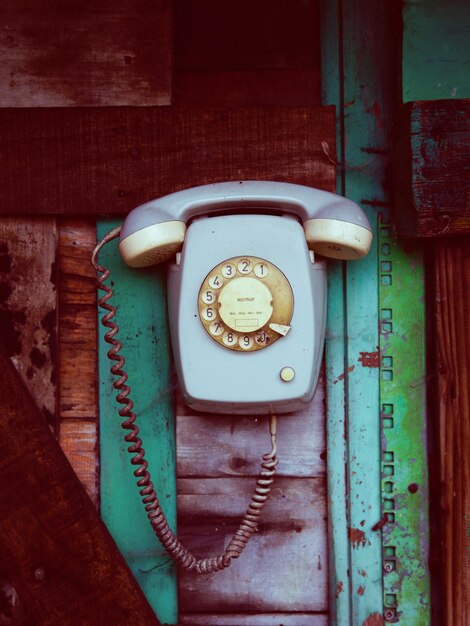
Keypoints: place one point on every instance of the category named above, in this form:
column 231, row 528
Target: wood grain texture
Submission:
column 78, row 438
column 54, row 550
column 452, row 312
column 221, row 445
column 77, row 321
column 432, row 167
column 86, row 53
column 108, row 160
column 28, row 307
column 284, row 566
column 78, row 370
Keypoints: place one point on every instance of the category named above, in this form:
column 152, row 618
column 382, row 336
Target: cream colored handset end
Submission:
column 153, row 244
column 337, row 239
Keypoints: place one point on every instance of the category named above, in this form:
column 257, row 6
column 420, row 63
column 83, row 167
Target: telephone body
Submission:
column 246, row 295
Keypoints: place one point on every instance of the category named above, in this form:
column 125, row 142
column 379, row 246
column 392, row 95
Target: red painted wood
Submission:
column 55, row 552
column 104, row 161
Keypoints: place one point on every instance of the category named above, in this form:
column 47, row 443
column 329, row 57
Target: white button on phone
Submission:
column 287, row 374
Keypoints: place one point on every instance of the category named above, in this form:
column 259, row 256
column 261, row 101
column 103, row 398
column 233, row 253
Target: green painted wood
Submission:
column 403, row 417
column 436, row 49
column 141, row 301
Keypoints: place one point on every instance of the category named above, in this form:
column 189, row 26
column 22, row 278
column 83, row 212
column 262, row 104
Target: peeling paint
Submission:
column 342, row 376
column 339, row 588
column 357, row 537
column 375, row 619
column 369, row 359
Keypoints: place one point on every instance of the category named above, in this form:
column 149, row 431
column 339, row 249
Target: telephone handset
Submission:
column 246, row 298
column 246, row 301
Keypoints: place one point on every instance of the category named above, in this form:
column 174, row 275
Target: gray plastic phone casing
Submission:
column 218, row 380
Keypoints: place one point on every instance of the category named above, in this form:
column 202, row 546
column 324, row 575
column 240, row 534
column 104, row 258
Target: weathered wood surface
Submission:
column 102, row 161
column 78, row 371
column 28, row 309
column 247, row 54
column 54, row 550
column 221, row 445
column 246, row 619
column 85, row 54
column 237, row 88
column 452, row 313
column 141, row 314
column 432, row 166
column 283, row 568
column 435, row 59
column 242, row 35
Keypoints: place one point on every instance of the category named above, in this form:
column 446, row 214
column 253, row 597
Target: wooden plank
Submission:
column 85, row 54
column 239, row 442
column 452, row 311
column 436, row 53
column 78, row 371
column 288, row 557
column 432, row 170
column 246, row 35
column 286, row 619
column 140, row 297
column 403, row 416
column 436, row 66
column 77, row 321
column 237, row 88
column 54, row 550
column 28, row 308
column 78, row 438
column 108, row 160
column 335, row 349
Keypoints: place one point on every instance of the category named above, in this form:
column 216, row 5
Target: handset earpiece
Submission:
column 339, row 229
column 142, row 245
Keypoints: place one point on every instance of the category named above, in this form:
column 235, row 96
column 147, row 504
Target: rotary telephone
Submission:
column 246, row 306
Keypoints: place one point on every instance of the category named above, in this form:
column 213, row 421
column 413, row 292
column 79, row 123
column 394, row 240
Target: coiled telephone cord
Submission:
column 168, row 539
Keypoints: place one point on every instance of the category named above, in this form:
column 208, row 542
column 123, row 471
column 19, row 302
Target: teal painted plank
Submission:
column 140, row 297
column 403, row 402
column 436, row 49
column 366, row 108
column 336, row 416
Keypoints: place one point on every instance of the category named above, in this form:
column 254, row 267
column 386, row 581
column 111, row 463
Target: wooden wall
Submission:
column 436, row 56
column 234, row 58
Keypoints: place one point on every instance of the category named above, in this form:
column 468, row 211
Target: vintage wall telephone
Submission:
column 246, row 302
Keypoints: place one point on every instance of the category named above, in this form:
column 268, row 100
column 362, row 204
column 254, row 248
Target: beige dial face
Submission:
column 246, row 303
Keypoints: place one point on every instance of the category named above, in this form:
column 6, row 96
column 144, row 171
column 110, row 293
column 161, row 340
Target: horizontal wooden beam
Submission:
column 58, row 563
column 85, row 53
column 104, row 161
column 432, row 168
